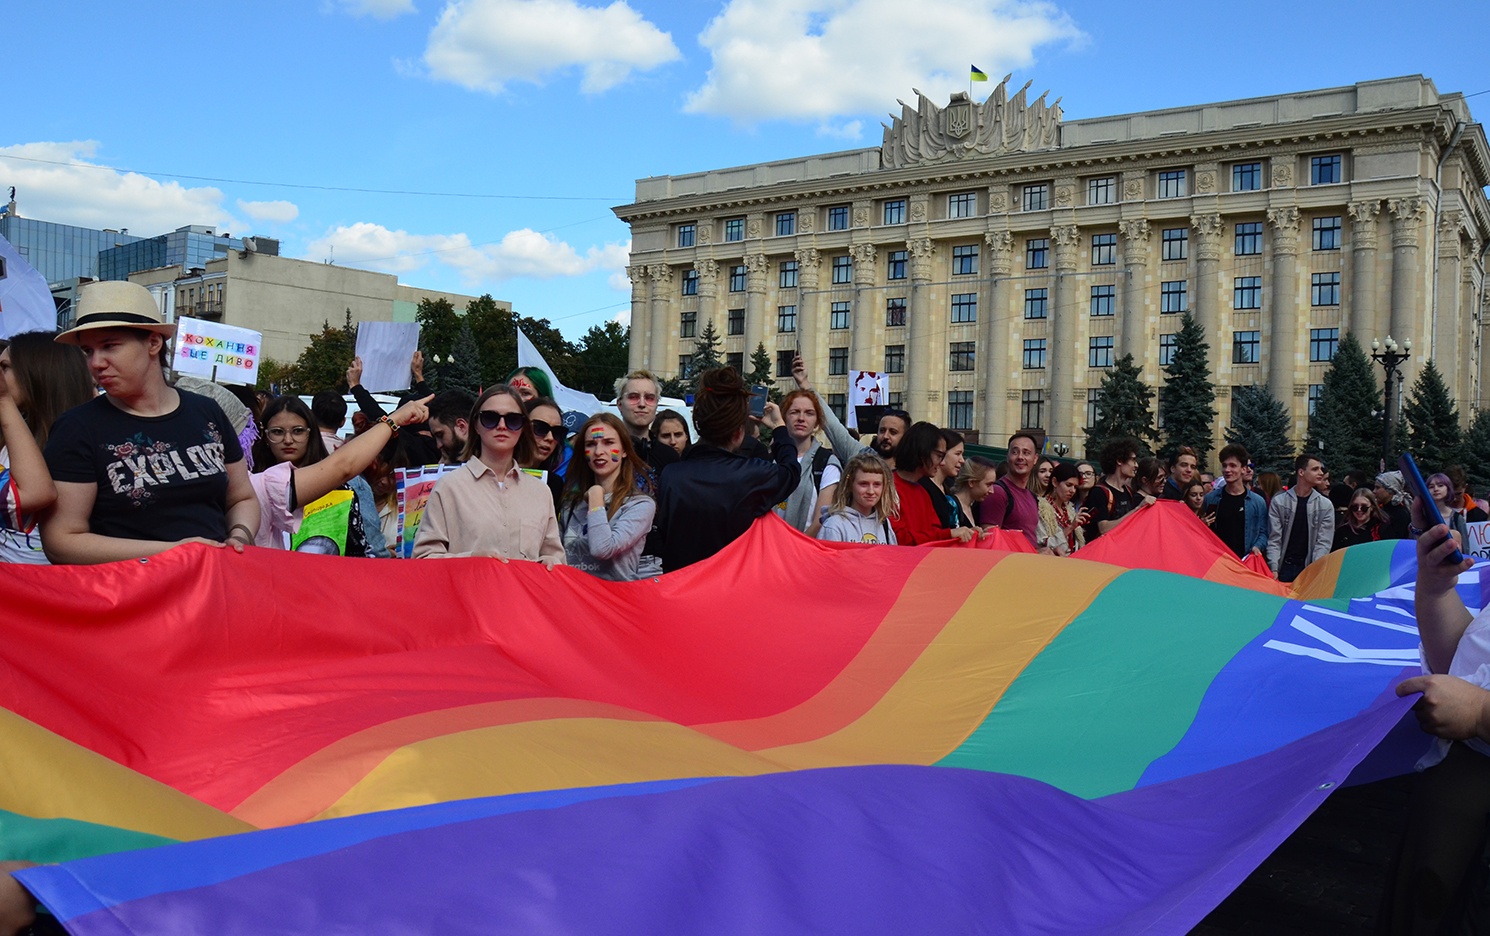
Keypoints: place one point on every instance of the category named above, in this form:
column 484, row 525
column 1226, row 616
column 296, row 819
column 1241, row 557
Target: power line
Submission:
column 320, row 188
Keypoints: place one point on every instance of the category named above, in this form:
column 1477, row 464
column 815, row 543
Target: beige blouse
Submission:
column 472, row 512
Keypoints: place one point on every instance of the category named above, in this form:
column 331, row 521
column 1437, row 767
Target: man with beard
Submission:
column 449, row 423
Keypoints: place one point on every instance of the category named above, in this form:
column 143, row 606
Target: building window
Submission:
column 838, row 315
column 965, row 260
column 1099, row 351
column 838, row 218
column 897, row 265
column 895, row 359
column 1104, row 249
column 1036, row 197
column 894, row 313
column 1323, row 343
column 1034, row 353
column 1032, row 409
column 1246, row 177
column 1246, row 347
column 897, row 399
column 1172, row 297
column 737, row 279
column 784, row 362
column 895, row 211
column 788, row 276
column 963, row 353
column 683, row 361
column 1104, row 298
column 843, row 270
column 688, row 326
column 962, row 205
column 960, row 409
column 1316, row 390
column 734, row 229
column 1037, row 254
column 964, row 307
column 1034, row 303
column 786, row 318
column 1172, row 184
column 1247, row 293
column 737, row 321
column 1167, row 346
column 1324, row 289
column 786, row 223
column 1327, row 233
column 1249, row 239
column 1324, row 170
column 1093, row 409
column 1101, row 191
column 690, row 282
column 1175, row 244
column 735, row 359
column 837, row 362
column 838, row 403
column 686, row 233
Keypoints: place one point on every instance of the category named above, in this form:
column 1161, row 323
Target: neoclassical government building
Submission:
column 994, row 260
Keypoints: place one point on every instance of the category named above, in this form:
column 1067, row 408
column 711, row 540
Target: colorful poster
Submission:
column 224, row 354
column 414, row 485
column 1477, row 543
column 866, row 388
column 324, row 528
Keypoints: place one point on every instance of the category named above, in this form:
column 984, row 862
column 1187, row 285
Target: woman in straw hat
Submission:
column 145, row 466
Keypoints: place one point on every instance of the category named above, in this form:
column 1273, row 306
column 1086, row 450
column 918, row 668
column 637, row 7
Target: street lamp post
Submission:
column 1388, row 354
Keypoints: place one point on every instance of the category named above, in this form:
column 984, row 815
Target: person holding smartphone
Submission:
column 1237, row 514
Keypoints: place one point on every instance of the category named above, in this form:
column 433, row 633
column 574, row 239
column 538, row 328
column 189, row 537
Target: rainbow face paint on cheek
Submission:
column 615, row 455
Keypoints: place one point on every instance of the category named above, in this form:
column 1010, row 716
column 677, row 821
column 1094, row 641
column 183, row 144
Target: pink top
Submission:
column 276, row 520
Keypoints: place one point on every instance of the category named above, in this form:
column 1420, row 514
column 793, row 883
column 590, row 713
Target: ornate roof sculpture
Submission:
column 966, row 128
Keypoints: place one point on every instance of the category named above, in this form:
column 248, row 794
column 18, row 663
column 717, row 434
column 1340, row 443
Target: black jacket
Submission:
column 711, row 497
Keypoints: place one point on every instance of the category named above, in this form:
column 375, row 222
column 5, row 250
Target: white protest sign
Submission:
column 25, row 300
column 385, row 349
column 866, row 388
column 1478, row 544
column 225, row 354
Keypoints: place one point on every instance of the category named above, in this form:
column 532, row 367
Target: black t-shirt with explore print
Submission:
column 159, row 478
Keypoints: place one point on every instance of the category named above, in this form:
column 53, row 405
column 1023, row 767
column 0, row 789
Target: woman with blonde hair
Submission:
column 1040, row 478
column 1364, row 521
column 608, row 505
column 972, row 484
column 863, row 503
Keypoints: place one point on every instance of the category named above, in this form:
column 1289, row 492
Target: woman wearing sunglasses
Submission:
column 608, row 507
column 549, row 450
column 1364, row 521
column 489, row 506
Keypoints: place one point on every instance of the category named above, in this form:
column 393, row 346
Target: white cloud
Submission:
column 823, row 59
column 378, row 9
column 80, row 191
column 276, row 212
column 520, row 254
column 623, row 317
column 483, row 44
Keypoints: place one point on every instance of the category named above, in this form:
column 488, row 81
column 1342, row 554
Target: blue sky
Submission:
column 573, row 101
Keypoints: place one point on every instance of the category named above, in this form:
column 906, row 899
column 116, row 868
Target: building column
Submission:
column 708, row 292
column 641, row 319
column 812, row 332
column 861, row 315
column 1208, row 229
column 1408, row 215
column 662, row 326
column 1062, row 350
column 918, row 332
column 757, row 268
column 993, row 336
column 1283, row 321
column 1135, row 236
column 1360, row 315
column 1446, row 350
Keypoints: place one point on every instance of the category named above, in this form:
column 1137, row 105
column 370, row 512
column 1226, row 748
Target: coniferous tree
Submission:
column 1189, row 396
column 762, row 368
column 1477, row 452
column 705, row 356
column 1342, row 430
column 1123, row 409
column 1260, row 424
column 1432, row 420
column 463, row 370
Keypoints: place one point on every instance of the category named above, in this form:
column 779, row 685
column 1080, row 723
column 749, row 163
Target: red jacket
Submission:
column 917, row 522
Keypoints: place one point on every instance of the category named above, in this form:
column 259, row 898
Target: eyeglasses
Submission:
column 1360, row 508
column 541, row 428
column 278, row 433
column 490, row 419
column 634, row 398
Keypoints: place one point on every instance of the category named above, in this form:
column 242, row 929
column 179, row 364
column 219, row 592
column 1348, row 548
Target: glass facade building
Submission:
column 61, row 252
column 186, row 247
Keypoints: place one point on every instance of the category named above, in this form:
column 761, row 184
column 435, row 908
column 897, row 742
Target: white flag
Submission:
column 25, row 300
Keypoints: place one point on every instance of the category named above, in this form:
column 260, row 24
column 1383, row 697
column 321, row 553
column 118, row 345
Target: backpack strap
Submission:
column 1008, row 502
column 819, row 465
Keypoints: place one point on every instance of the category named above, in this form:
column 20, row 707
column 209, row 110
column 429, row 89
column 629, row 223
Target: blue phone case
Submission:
column 1409, row 469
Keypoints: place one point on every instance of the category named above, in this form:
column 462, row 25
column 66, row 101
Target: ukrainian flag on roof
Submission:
column 978, row 74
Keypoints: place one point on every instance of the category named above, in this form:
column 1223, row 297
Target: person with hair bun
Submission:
column 711, row 497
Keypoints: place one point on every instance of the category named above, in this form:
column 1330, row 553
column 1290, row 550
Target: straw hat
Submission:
column 115, row 304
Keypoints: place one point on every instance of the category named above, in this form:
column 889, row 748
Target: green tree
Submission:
column 1260, row 424
column 1123, row 409
column 762, row 368
column 275, row 374
column 324, row 362
column 463, row 370
column 705, row 355
column 495, row 332
column 603, row 357
column 1433, row 422
column 1477, row 452
column 1188, row 399
column 1343, row 431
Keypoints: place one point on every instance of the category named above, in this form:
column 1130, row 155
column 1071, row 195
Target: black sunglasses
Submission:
column 559, row 432
column 490, row 419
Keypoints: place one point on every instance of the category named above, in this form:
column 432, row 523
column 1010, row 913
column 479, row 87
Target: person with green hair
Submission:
column 530, row 383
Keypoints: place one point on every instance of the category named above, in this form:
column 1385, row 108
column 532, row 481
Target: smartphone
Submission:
column 1419, row 488
column 757, row 400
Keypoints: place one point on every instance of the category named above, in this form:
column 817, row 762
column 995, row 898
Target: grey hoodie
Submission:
column 851, row 526
column 608, row 548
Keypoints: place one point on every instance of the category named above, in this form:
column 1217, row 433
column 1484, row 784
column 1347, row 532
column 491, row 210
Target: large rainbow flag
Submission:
column 791, row 737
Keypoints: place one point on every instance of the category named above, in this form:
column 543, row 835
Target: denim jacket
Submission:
column 1254, row 519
